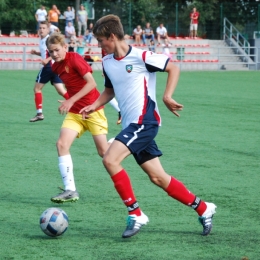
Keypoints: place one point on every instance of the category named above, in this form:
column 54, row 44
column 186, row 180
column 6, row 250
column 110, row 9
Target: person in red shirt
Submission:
column 76, row 74
column 194, row 16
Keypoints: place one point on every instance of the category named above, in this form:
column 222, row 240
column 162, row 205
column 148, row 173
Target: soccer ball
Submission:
column 54, row 222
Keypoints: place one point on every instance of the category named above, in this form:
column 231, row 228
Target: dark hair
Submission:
column 107, row 25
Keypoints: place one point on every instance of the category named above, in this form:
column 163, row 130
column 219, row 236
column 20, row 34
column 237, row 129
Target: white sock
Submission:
column 66, row 172
column 114, row 104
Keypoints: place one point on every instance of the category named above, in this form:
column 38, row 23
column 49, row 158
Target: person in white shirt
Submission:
column 161, row 32
column 137, row 33
column 40, row 15
column 70, row 30
column 130, row 76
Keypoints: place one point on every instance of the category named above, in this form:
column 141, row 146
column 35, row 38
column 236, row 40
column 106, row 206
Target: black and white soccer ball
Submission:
column 54, row 222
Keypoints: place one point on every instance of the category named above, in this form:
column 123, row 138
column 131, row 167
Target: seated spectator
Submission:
column 72, row 44
column 53, row 28
column 166, row 49
column 147, row 33
column 70, row 30
column 161, row 32
column 80, row 47
column 137, row 33
column 87, row 57
column 89, row 34
column 152, row 46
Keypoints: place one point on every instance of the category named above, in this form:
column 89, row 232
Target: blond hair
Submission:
column 107, row 25
column 56, row 38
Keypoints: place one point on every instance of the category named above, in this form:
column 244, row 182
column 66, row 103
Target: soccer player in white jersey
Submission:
column 45, row 74
column 130, row 75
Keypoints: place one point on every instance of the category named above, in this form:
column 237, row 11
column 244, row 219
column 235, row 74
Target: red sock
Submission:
column 38, row 100
column 178, row 191
column 124, row 188
column 66, row 95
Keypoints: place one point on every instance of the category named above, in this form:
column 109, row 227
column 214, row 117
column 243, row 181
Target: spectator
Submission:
column 82, row 18
column 137, row 33
column 40, row 15
column 72, row 44
column 80, row 47
column 53, row 16
column 87, row 57
column 161, row 32
column 147, row 33
column 166, row 49
column 70, row 30
column 69, row 16
column 53, row 28
column 152, row 46
column 89, row 34
column 194, row 16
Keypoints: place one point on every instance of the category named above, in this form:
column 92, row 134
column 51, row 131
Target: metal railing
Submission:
column 234, row 37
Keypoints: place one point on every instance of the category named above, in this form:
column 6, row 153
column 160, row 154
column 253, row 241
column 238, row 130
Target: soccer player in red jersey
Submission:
column 76, row 74
column 130, row 76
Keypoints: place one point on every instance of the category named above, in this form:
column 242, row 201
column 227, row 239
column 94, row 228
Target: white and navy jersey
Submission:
column 43, row 49
column 133, row 79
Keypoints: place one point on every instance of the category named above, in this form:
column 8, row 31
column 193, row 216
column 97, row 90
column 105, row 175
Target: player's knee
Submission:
column 61, row 146
column 156, row 180
column 108, row 162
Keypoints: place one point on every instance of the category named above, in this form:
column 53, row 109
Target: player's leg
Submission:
column 38, row 101
column 120, row 148
column 71, row 128
column 178, row 191
column 113, row 102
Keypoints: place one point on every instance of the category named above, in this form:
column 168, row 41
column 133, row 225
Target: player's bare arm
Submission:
column 172, row 80
column 103, row 99
column 67, row 104
column 34, row 52
column 46, row 61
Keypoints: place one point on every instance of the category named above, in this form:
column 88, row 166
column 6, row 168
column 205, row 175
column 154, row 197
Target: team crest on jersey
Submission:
column 67, row 69
column 129, row 68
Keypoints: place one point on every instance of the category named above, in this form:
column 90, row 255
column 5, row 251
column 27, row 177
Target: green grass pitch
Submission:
column 214, row 148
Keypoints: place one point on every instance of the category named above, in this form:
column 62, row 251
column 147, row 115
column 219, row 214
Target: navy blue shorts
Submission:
column 139, row 139
column 45, row 75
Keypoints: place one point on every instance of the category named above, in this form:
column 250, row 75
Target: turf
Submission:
column 213, row 148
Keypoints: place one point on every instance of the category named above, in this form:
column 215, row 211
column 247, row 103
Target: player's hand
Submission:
column 86, row 111
column 65, row 106
column 45, row 61
column 33, row 51
column 173, row 106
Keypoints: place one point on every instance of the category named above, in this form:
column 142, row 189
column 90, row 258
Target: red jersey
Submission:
column 194, row 17
column 71, row 71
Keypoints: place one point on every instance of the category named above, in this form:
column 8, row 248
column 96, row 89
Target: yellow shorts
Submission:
column 96, row 125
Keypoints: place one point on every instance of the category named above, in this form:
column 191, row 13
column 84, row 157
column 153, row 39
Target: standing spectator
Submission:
column 161, row 32
column 89, row 34
column 137, row 33
column 70, row 30
column 53, row 16
column 69, row 16
column 147, row 33
column 82, row 18
column 194, row 16
column 40, row 15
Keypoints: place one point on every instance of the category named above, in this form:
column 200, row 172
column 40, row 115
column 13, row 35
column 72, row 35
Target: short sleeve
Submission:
column 155, row 62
